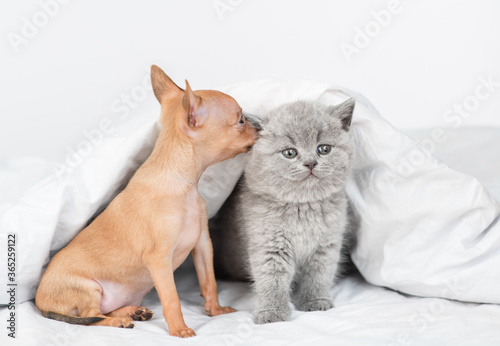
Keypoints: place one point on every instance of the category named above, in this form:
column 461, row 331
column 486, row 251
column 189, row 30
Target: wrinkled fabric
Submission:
column 363, row 315
column 424, row 228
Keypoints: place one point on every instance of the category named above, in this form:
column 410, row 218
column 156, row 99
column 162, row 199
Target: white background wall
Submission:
column 82, row 59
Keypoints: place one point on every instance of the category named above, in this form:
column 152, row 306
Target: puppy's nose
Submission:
column 255, row 134
column 311, row 164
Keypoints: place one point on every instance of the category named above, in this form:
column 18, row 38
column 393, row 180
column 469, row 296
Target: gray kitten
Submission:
column 283, row 226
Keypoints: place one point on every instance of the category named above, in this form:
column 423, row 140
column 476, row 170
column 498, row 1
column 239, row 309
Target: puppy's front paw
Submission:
column 316, row 305
column 270, row 316
column 219, row 310
column 182, row 332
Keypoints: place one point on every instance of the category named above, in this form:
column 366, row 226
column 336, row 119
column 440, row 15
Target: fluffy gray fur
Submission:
column 283, row 228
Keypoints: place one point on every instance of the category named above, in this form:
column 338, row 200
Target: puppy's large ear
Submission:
column 193, row 104
column 344, row 112
column 163, row 86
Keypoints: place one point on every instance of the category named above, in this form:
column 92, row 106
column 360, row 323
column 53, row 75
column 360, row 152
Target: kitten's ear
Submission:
column 254, row 120
column 193, row 104
column 344, row 112
column 163, row 86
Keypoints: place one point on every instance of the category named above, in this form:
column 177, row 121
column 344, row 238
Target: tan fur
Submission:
column 150, row 228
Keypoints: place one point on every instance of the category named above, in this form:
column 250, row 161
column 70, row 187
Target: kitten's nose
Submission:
column 311, row 164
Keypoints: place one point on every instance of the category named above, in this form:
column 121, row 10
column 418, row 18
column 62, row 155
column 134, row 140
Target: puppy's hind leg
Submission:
column 76, row 304
column 122, row 321
column 94, row 309
column 137, row 313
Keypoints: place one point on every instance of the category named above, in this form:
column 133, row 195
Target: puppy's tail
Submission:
column 71, row 319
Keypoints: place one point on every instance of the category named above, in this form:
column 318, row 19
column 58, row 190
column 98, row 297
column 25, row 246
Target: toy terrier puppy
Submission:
column 150, row 228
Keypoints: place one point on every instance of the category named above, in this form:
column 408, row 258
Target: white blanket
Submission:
column 425, row 230
column 363, row 315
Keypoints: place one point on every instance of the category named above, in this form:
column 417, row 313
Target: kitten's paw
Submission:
column 270, row 316
column 316, row 305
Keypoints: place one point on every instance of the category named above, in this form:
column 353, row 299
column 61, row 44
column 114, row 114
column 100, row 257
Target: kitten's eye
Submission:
column 289, row 153
column 242, row 121
column 324, row 149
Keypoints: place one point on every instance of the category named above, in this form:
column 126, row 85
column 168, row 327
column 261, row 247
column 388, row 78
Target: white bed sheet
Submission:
column 363, row 315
